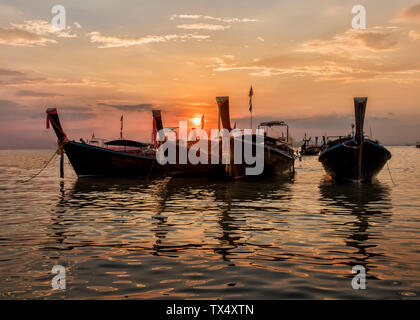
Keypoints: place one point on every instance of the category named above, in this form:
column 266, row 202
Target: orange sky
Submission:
column 302, row 58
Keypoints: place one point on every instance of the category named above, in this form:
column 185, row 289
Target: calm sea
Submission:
column 194, row 238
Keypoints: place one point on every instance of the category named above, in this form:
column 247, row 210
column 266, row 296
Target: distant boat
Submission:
column 418, row 145
column 355, row 158
column 309, row 148
column 279, row 156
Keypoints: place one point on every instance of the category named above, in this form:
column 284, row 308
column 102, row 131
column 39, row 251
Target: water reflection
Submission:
column 229, row 203
column 370, row 205
column 273, row 238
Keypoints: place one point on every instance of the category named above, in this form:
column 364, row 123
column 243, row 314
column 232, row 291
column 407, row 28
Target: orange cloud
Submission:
column 355, row 42
column 410, row 15
column 204, row 17
column 203, row 26
column 32, row 33
column 415, row 35
column 116, row 41
column 17, row 37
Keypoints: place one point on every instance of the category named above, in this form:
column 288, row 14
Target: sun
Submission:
column 196, row 121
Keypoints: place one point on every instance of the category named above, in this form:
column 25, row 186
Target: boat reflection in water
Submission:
column 367, row 209
column 162, row 198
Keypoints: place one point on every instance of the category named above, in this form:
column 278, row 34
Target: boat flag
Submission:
column 251, row 93
column 122, row 121
column 234, row 126
column 202, row 122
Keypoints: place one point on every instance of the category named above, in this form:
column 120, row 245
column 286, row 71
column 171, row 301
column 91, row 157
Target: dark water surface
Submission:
column 189, row 238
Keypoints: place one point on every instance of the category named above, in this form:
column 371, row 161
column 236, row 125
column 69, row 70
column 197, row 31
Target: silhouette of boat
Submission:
column 308, row 148
column 355, row 158
column 279, row 157
column 90, row 160
column 121, row 157
column 418, row 145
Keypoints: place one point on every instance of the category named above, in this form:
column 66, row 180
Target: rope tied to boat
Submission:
column 42, row 169
column 392, row 180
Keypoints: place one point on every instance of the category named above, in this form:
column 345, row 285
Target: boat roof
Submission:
column 127, row 143
column 273, row 123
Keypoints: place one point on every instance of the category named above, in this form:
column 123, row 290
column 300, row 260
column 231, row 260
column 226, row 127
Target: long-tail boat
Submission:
column 123, row 157
column 279, row 157
column 90, row 160
column 355, row 158
column 308, row 148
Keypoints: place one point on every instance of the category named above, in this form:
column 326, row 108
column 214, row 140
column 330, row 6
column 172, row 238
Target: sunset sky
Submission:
column 302, row 58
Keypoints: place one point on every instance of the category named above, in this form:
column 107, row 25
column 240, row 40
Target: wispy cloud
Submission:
column 44, row 28
column 117, row 41
column 204, row 17
column 355, row 43
column 410, row 15
column 17, row 37
column 203, row 26
column 415, row 35
column 320, row 70
column 129, row 107
column 30, row 93
column 15, row 77
column 32, row 33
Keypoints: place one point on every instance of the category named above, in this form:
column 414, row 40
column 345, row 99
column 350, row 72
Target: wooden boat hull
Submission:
column 355, row 163
column 310, row 151
column 275, row 162
column 88, row 160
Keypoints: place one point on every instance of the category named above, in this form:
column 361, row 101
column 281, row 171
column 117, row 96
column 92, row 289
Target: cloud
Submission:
column 355, row 43
column 128, row 107
column 116, row 41
column 203, row 26
column 410, row 15
column 13, row 111
column 29, row 93
column 74, row 116
column 44, row 28
column 415, row 35
column 5, row 72
column 204, row 17
column 17, row 37
column 32, row 33
column 14, row 77
column 321, row 70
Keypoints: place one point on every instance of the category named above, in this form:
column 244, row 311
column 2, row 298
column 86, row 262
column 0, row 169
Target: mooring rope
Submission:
column 150, row 171
column 42, row 169
column 390, row 174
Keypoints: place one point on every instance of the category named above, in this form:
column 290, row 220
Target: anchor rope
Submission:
column 390, row 174
column 42, row 169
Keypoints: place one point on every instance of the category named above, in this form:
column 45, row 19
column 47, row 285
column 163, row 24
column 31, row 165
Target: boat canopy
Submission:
column 272, row 124
column 127, row 143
